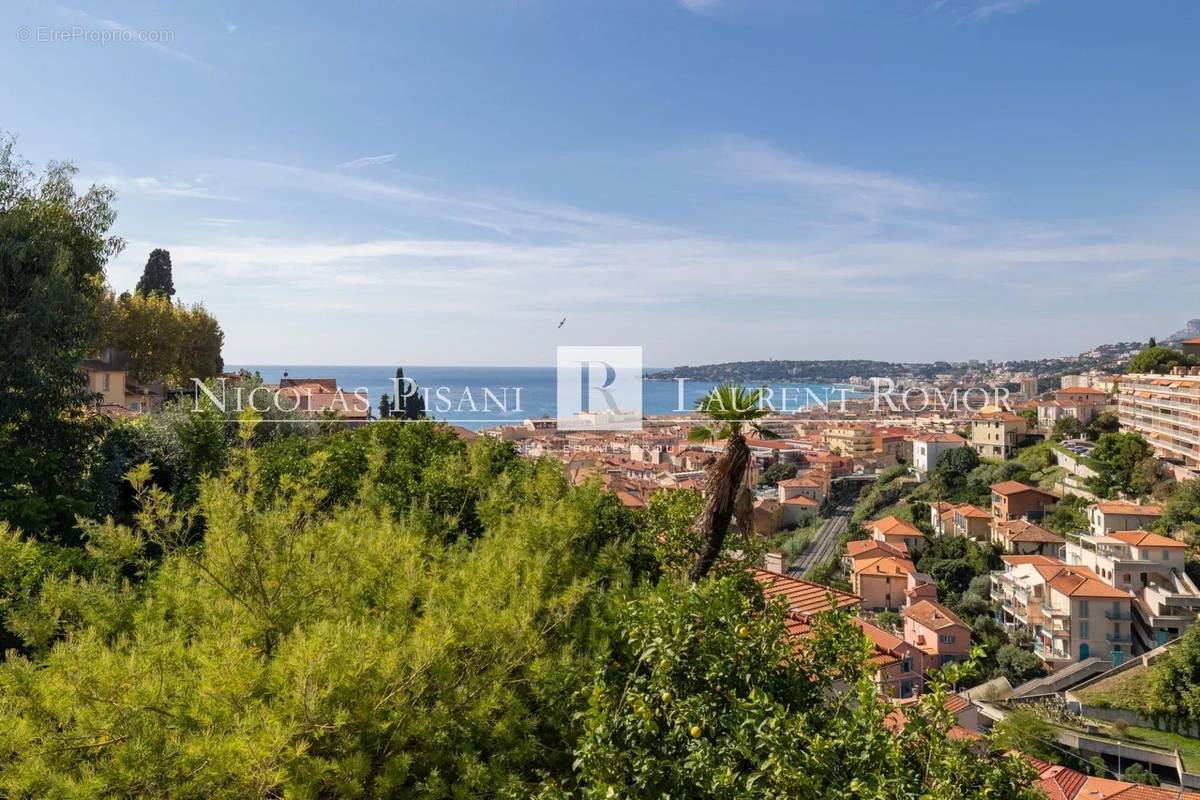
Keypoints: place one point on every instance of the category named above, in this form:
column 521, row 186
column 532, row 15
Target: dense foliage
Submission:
column 54, row 244
column 164, row 340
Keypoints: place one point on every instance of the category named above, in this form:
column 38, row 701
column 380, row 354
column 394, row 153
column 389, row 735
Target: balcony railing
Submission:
column 1119, row 616
column 1117, row 638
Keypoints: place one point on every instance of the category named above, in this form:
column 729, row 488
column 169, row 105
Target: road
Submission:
column 824, row 544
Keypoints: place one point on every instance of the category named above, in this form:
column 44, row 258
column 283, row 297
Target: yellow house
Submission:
column 106, row 377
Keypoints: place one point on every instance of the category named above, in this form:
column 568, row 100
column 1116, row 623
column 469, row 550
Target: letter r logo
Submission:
column 599, row 388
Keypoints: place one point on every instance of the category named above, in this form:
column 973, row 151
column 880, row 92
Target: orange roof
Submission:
column 801, row 481
column 1075, row 582
column 1080, row 390
column 968, row 510
column 889, row 566
column 884, row 643
column 802, row 596
column 1193, row 340
column 939, row 437
column 862, row 547
column 1129, row 509
column 932, row 615
column 1148, row 539
column 801, row 500
column 1015, row 487
column 1019, row 530
column 895, row 527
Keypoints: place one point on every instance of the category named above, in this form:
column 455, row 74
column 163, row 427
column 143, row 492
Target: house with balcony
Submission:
column 1151, row 568
column 1071, row 613
column 1014, row 500
column 970, row 521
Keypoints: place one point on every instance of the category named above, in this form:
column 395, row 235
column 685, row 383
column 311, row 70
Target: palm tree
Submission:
column 733, row 410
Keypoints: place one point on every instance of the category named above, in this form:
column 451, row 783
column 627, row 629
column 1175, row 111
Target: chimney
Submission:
column 773, row 562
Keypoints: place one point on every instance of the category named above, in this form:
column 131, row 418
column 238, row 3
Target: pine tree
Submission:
column 156, row 277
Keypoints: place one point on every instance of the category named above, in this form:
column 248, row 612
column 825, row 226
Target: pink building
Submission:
column 937, row 633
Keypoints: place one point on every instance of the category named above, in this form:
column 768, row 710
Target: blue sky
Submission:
column 438, row 182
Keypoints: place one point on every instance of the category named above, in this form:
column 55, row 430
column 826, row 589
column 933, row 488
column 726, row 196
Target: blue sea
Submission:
column 457, row 394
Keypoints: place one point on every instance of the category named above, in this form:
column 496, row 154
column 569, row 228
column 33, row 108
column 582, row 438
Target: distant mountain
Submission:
column 1190, row 331
column 1105, row 358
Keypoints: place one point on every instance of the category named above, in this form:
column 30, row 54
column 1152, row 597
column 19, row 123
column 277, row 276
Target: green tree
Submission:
column 1066, row 427
column 779, row 471
column 1017, row 664
column 1026, row 732
column 702, row 695
column 952, row 468
column 1105, row 422
column 1136, row 773
column 733, row 410
column 156, row 277
column 1174, row 679
column 54, row 244
column 1181, row 512
column 1116, row 457
column 889, row 620
column 1158, row 359
column 164, row 340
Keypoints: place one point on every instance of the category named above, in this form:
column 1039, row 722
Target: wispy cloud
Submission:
column 368, row 161
column 154, row 39
column 882, row 244
column 699, row 6
column 974, row 11
column 194, row 188
column 869, row 193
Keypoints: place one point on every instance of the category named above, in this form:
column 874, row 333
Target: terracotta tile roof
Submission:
column 968, row 510
column 894, row 527
column 1075, row 582
column 807, row 502
column 801, row 481
column 1148, row 539
column 932, row 615
column 1080, row 390
column 1019, row 530
column 1014, row 487
column 1058, row 781
column 804, row 597
column 884, row 643
column 889, row 566
column 939, row 437
column 860, row 548
column 1129, row 509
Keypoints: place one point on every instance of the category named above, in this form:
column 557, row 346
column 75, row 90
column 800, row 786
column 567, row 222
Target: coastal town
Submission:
column 939, row 530
column 655, row 400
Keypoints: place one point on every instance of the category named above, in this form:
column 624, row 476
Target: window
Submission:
column 1083, row 629
column 946, row 638
column 1083, row 608
column 1166, row 555
column 105, row 381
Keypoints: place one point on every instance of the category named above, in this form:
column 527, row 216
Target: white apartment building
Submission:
column 1150, row 567
column 1165, row 409
column 928, row 448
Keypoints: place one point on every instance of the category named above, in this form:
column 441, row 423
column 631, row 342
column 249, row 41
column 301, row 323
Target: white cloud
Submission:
column 367, row 161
